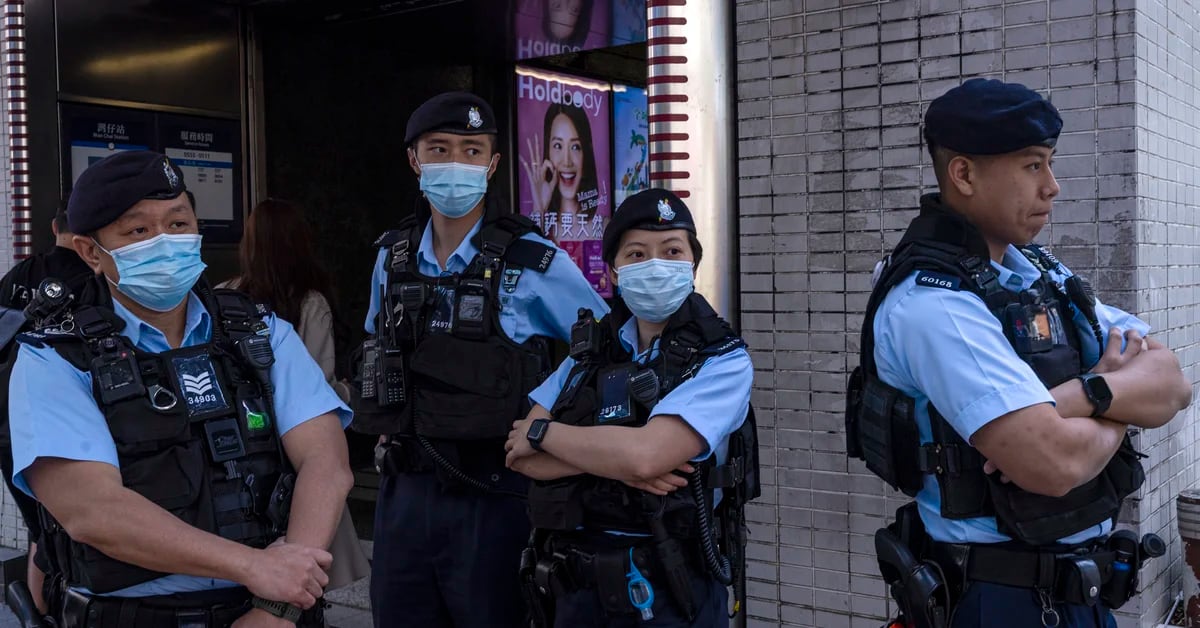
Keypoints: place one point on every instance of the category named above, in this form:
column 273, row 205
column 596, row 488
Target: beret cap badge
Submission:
column 169, row 173
column 664, row 210
column 474, row 120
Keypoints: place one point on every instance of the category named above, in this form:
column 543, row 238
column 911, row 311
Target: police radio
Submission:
column 382, row 374
column 471, row 320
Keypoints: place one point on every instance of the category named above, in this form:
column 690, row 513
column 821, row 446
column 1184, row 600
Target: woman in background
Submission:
column 279, row 267
column 563, row 177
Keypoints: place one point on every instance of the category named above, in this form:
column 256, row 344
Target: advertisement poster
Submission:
column 628, row 22
column 551, row 27
column 631, row 154
column 565, row 177
column 95, row 133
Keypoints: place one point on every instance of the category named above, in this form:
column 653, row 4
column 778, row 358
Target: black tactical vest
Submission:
column 440, row 365
column 881, row 424
column 606, row 387
column 194, row 429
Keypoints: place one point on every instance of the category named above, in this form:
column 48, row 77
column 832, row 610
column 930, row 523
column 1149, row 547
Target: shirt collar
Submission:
column 628, row 334
column 461, row 256
column 144, row 336
column 1015, row 271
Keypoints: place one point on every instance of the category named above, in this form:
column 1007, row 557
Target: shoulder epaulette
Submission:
column 388, row 238
column 530, row 254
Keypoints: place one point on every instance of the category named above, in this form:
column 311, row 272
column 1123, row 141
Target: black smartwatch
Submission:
column 537, row 431
column 282, row 610
column 1097, row 392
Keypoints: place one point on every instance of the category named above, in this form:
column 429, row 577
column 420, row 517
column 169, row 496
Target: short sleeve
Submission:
column 947, row 345
column 714, row 402
column 53, row 414
column 301, row 392
column 378, row 280
column 561, row 291
column 547, row 393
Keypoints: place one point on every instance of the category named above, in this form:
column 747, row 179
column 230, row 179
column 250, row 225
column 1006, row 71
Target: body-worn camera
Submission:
column 471, row 320
column 116, row 373
column 585, row 336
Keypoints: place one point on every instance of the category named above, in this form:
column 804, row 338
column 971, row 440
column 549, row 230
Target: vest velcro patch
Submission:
column 932, row 279
column 197, row 379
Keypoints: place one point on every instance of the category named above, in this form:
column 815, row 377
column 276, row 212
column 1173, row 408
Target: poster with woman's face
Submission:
column 565, row 175
column 552, row 27
column 631, row 150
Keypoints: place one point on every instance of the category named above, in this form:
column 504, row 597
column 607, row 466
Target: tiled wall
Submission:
column 831, row 95
column 12, row 531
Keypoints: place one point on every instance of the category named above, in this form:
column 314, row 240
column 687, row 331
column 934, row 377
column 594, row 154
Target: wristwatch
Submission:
column 537, row 431
column 279, row 609
column 1097, row 392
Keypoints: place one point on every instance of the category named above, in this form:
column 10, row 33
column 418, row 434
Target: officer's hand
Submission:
column 665, row 484
column 290, row 573
column 258, row 618
column 1114, row 358
column 517, row 444
column 990, row 468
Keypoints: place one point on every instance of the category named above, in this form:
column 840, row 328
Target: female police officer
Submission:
column 642, row 396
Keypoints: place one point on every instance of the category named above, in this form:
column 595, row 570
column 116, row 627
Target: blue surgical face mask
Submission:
column 159, row 272
column 655, row 288
column 452, row 188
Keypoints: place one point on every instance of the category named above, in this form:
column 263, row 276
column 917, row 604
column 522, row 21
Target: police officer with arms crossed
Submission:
column 464, row 298
column 184, row 448
column 630, row 437
column 997, row 390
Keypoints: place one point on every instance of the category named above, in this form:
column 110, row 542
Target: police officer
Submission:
column 16, row 287
column 1021, row 385
column 184, row 448
column 630, row 437
column 464, row 298
column 60, row 261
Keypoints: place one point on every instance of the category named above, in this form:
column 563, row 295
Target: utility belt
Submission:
column 626, row 573
column 217, row 608
column 398, row 455
column 476, row 466
column 927, row 578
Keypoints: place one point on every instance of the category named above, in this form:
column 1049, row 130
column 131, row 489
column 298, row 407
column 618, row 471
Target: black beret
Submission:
column 654, row 210
column 990, row 117
column 109, row 187
column 461, row 113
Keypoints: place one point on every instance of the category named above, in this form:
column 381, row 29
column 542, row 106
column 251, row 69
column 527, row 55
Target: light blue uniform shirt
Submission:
column 713, row 403
column 54, row 415
column 541, row 304
column 944, row 346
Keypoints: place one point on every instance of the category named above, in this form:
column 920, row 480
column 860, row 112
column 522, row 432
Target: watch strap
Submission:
column 282, row 610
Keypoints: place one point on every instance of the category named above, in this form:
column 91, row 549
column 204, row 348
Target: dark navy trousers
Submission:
column 447, row 558
column 986, row 605
column 582, row 609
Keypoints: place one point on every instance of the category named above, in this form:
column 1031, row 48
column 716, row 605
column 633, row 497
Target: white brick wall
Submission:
column 831, row 96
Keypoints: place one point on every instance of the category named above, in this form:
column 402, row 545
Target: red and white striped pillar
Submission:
column 12, row 40
column 693, row 130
